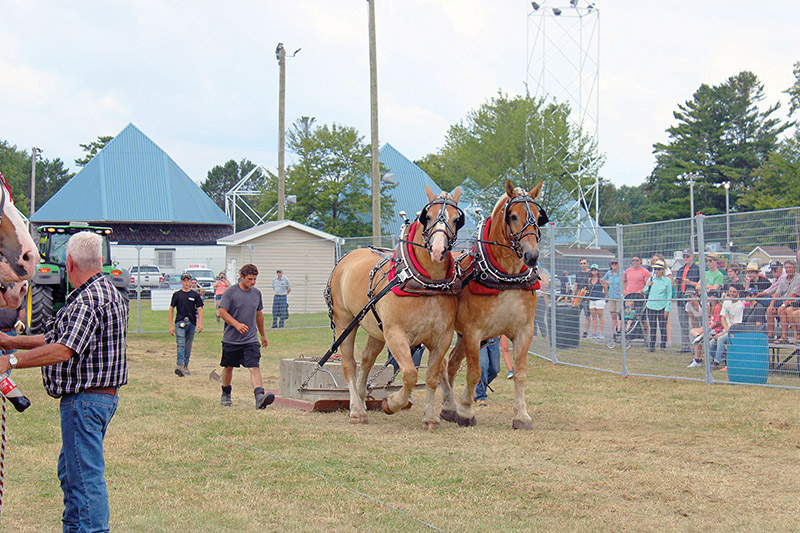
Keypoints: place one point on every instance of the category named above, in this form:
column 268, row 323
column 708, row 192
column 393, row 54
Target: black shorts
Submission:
column 235, row 355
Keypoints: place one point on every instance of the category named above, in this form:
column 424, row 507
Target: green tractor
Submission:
column 49, row 286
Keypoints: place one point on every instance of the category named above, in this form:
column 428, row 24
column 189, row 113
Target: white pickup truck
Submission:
column 146, row 276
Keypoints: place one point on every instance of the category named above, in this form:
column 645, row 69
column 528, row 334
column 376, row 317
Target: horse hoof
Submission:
column 448, row 415
column 466, row 422
column 359, row 419
column 385, row 407
column 522, row 424
column 430, row 425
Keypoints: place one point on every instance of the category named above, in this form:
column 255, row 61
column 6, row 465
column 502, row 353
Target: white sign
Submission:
column 160, row 299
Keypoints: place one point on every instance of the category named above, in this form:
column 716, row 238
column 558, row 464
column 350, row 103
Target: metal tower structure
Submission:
column 235, row 200
column 563, row 67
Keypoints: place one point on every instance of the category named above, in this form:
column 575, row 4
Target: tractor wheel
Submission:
column 41, row 307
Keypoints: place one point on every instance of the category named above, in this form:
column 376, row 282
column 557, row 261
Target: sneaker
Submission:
column 510, row 374
column 695, row 363
column 263, row 399
column 698, row 339
column 715, row 365
column 179, row 371
column 226, row 400
column 483, row 403
column 186, row 371
column 585, row 334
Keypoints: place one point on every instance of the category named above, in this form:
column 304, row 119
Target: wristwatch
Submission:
column 12, row 360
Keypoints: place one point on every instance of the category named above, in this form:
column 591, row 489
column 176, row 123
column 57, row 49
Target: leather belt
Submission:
column 111, row 391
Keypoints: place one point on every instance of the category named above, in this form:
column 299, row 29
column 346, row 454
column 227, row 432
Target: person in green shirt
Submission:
column 659, row 302
column 714, row 276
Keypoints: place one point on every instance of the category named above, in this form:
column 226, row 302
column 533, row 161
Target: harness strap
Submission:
column 357, row 320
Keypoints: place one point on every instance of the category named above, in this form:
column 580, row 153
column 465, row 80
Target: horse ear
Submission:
column 456, row 194
column 534, row 193
column 510, row 189
column 430, row 194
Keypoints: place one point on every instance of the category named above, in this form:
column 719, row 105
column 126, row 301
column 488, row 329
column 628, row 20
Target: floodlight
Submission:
column 556, row 11
column 535, row 6
column 388, row 179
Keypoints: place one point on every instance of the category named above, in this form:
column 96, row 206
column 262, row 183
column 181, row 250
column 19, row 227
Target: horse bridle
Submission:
column 531, row 221
column 429, row 232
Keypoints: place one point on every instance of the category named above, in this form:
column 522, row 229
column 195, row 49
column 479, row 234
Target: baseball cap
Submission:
column 594, row 267
column 186, row 275
column 775, row 264
column 687, row 251
column 279, row 270
column 752, row 291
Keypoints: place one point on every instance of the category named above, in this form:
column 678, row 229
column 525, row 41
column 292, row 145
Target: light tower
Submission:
column 563, row 67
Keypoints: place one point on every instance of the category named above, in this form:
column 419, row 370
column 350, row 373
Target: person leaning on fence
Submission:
column 782, row 286
column 659, row 302
column 686, row 280
column 187, row 305
column 241, row 309
column 82, row 355
column 582, row 286
column 597, row 301
column 732, row 312
column 611, row 284
column 280, row 306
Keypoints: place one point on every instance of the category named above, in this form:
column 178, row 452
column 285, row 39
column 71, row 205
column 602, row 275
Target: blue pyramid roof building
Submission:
column 131, row 180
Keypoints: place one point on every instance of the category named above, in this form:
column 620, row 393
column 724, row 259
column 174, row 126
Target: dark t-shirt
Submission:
column 186, row 304
column 8, row 317
column 244, row 307
column 582, row 280
column 754, row 313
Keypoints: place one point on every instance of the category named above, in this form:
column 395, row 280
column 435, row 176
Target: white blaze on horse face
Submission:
column 439, row 243
column 19, row 252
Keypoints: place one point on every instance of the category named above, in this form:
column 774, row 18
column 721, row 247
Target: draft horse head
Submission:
column 18, row 251
column 440, row 220
column 523, row 218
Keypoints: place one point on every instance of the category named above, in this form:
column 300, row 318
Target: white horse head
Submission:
column 18, row 252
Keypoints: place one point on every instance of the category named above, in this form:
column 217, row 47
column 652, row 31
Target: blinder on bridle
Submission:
column 429, row 232
column 531, row 221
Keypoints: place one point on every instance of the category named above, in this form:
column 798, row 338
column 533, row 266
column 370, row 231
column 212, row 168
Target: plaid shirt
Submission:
column 93, row 324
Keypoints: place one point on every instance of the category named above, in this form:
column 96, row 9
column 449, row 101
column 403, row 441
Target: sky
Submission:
column 200, row 78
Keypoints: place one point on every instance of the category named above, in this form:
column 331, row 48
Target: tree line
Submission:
column 724, row 133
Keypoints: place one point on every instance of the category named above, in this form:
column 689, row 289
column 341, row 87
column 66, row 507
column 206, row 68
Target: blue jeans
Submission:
column 185, row 337
column 721, row 343
column 81, row 466
column 489, row 358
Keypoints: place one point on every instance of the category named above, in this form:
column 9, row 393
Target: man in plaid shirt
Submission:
column 83, row 358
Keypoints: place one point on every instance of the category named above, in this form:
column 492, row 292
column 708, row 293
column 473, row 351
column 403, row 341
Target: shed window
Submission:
column 165, row 258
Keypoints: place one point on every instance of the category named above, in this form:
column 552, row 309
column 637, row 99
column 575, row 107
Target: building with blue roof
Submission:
column 158, row 213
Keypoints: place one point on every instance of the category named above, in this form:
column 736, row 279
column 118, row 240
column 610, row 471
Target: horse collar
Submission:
column 489, row 274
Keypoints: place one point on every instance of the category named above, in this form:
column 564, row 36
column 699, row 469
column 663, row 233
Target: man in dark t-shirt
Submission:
column 187, row 306
column 241, row 309
column 582, row 283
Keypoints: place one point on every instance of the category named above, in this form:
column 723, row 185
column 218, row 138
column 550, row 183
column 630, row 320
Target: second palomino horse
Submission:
column 498, row 298
column 18, row 251
column 421, row 310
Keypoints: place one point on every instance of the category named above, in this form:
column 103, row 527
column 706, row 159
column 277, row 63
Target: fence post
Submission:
column 553, row 354
column 701, row 249
column 139, row 290
column 622, row 336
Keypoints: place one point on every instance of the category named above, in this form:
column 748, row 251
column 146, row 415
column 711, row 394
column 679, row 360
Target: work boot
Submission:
column 226, row 399
column 186, row 370
column 263, row 399
column 179, row 371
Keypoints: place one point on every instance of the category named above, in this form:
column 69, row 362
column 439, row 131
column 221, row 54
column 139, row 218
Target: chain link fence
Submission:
column 621, row 321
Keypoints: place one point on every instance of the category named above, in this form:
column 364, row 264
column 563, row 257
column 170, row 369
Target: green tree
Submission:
column 721, row 135
column 331, row 179
column 223, row 178
column 16, row 167
column 518, row 138
column 794, row 90
column 778, row 183
column 621, row 205
column 92, row 149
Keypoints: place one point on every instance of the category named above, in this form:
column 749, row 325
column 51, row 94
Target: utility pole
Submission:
column 35, row 152
column 280, row 54
column 373, row 97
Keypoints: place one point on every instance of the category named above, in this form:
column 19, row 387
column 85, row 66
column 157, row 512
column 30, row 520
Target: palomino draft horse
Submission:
column 18, row 252
column 498, row 298
column 398, row 319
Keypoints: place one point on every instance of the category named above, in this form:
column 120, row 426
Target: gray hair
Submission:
column 86, row 251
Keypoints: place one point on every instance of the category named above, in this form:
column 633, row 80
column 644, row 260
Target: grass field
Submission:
column 606, row 454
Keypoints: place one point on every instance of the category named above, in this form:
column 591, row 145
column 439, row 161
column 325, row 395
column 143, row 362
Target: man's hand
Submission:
column 199, row 327
column 172, row 329
column 264, row 342
column 242, row 328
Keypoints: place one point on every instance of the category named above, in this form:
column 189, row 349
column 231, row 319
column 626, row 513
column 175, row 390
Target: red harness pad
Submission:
column 393, row 272
column 475, row 286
